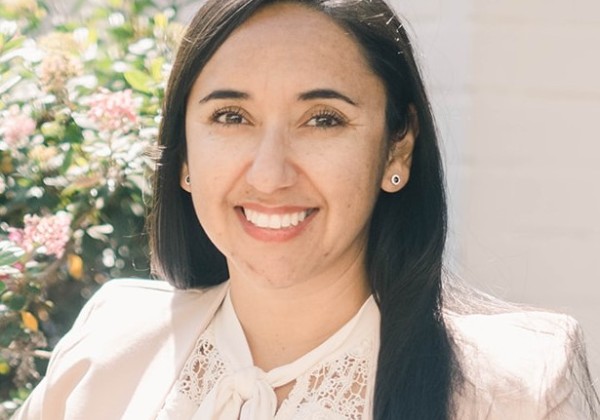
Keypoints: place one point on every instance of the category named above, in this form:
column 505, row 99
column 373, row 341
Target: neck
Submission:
column 283, row 323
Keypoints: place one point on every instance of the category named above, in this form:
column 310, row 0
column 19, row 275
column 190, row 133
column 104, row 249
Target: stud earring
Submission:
column 395, row 179
column 188, row 181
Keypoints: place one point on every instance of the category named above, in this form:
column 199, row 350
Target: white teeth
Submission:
column 275, row 221
column 262, row 220
column 294, row 219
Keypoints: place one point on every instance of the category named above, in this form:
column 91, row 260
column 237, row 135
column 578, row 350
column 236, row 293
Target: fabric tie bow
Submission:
column 245, row 395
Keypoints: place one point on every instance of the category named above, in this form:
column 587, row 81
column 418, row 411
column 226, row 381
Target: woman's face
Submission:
column 287, row 148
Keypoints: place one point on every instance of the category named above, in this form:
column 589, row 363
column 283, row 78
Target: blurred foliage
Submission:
column 79, row 114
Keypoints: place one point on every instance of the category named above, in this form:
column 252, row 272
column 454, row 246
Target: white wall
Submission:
column 516, row 85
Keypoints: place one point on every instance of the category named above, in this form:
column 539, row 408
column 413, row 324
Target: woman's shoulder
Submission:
column 140, row 287
column 523, row 362
column 519, row 346
column 125, row 304
column 519, row 333
column 148, row 292
column 117, row 290
column 137, row 284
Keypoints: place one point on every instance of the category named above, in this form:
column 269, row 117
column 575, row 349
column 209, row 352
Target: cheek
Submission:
column 359, row 166
column 212, row 162
column 367, row 175
column 207, row 201
column 350, row 178
column 209, row 180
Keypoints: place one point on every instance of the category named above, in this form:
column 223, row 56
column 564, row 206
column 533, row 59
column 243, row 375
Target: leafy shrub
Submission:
column 79, row 113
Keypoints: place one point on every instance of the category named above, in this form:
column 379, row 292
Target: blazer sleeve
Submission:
column 523, row 365
column 572, row 395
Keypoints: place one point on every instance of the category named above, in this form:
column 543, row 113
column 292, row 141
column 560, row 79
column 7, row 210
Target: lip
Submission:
column 274, row 224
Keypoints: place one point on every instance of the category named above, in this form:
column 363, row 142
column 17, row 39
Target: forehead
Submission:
column 289, row 21
column 292, row 39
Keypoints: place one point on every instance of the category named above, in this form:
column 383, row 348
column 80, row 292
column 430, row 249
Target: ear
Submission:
column 183, row 178
column 400, row 155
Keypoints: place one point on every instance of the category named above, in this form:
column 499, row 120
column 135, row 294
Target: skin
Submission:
column 263, row 135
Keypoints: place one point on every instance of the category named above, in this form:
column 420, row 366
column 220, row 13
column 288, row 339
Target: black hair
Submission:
column 417, row 371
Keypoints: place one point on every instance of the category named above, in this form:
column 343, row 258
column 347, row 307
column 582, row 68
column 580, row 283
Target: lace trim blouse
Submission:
column 334, row 381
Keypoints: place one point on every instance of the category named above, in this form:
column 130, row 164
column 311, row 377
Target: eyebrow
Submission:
column 224, row 94
column 305, row 96
column 325, row 94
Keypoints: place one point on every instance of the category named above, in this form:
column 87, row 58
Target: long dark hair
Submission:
column 416, row 366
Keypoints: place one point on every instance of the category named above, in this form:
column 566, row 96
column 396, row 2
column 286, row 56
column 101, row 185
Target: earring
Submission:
column 188, row 181
column 395, row 179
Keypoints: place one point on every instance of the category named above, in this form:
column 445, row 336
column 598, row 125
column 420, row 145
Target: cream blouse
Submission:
column 334, row 381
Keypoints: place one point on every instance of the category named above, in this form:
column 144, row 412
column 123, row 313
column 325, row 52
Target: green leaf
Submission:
column 2, row 287
column 140, row 5
column 9, row 83
column 20, row 393
column 53, row 129
column 139, row 80
column 8, row 334
column 33, row 288
column 73, row 134
column 67, row 161
column 123, row 33
column 156, row 68
column 14, row 43
column 9, row 253
column 16, row 302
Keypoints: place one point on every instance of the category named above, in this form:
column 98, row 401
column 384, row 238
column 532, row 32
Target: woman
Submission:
column 300, row 214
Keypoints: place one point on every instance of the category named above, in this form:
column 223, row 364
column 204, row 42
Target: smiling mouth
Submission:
column 276, row 221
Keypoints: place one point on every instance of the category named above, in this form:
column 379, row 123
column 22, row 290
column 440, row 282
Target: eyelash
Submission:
column 333, row 119
column 231, row 111
column 331, row 116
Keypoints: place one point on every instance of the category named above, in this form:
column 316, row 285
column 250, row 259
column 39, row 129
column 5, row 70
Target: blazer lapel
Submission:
column 190, row 313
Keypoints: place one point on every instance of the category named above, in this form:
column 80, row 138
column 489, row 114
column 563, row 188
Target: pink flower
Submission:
column 16, row 127
column 50, row 233
column 113, row 111
column 16, row 236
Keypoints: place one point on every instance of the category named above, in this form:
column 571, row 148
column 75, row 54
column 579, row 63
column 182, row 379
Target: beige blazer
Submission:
column 131, row 340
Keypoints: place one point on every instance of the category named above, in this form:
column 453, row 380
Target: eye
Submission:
column 229, row 116
column 326, row 119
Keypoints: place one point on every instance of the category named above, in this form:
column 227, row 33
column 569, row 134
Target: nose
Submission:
column 271, row 169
